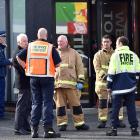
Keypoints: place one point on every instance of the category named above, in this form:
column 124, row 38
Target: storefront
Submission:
column 83, row 21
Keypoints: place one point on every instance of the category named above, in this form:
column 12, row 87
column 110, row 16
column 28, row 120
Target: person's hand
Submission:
column 11, row 60
column 79, row 86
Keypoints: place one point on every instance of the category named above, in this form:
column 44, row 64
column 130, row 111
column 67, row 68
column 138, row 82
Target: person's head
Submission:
column 122, row 41
column 42, row 33
column 22, row 40
column 2, row 40
column 106, row 42
column 62, row 42
column 2, row 37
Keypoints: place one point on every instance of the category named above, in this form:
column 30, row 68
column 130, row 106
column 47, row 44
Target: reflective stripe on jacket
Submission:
column 39, row 61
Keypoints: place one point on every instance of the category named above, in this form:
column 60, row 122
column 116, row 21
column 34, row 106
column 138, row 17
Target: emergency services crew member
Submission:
column 101, row 62
column 68, row 80
column 42, row 58
column 122, row 81
column 22, row 84
column 3, row 63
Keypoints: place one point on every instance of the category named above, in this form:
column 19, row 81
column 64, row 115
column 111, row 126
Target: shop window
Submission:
column 114, row 18
column 17, row 14
column 2, row 15
column 71, row 18
column 17, row 26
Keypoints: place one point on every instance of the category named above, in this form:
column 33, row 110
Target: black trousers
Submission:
column 130, row 106
column 23, row 109
column 42, row 90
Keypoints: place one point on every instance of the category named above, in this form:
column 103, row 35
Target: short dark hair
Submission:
column 124, row 40
column 107, row 37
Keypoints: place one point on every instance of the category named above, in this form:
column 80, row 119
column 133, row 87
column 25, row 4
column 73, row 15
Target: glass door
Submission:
column 114, row 19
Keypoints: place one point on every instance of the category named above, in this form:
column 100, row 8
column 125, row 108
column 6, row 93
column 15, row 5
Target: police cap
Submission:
column 2, row 34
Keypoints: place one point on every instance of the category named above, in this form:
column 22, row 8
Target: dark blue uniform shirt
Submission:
column 3, row 61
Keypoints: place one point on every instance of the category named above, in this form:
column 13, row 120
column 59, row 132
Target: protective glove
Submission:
column 79, row 86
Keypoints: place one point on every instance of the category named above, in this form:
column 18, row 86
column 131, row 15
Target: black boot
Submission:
column 102, row 124
column 111, row 132
column 50, row 133
column 34, row 132
column 134, row 132
column 82, row 127
column 63, row 127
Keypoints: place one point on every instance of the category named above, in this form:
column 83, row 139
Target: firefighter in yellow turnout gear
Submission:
column 68, row 80
column 101, row 63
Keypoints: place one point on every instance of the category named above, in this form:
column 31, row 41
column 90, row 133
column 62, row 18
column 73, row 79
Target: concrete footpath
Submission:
column 7, row 129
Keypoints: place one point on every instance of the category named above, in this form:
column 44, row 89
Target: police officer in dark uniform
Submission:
column 3, row 63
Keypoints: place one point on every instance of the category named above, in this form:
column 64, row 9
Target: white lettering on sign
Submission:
column 118, row 27
column 120, row 23
column 108, row 25
column 80, row 47
column 39, row 49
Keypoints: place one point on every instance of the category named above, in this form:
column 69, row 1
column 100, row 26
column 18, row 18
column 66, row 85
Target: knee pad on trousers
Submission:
column 61, row 111
column 77, row 110
column 102, row 103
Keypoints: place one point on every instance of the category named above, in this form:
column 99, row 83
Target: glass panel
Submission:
column 136, row 29
column 17, row 11
column 136, row 26
column 114, row 18
column 71, row 17
column 17, row 25
column 79, row 43
column 2, row 15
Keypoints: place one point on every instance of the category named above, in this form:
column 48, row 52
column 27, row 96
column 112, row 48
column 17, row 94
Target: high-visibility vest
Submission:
column 39, row 61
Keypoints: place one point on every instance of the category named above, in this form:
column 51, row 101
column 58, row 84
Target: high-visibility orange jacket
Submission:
column 39, row 61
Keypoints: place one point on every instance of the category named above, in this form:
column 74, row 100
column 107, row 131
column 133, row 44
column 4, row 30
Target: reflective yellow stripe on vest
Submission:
column 105, row 67
column 66, row 82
